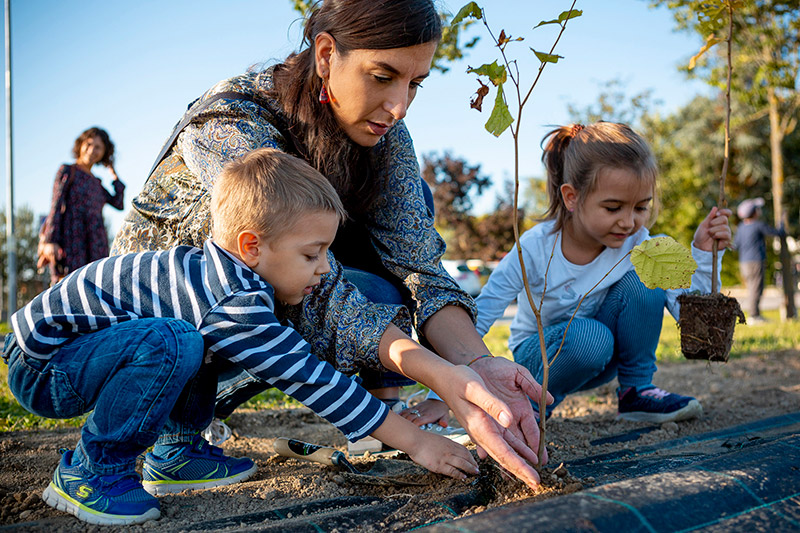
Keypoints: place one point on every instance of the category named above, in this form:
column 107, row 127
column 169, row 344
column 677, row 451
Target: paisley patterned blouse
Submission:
column 340, row 324
column 75, row 221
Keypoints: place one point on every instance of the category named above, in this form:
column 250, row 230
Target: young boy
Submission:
column 138, row 340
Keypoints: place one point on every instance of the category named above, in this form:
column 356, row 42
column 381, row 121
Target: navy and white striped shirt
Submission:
column 229, row 304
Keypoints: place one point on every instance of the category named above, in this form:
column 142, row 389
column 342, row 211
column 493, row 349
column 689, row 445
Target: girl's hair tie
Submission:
column 573, row 131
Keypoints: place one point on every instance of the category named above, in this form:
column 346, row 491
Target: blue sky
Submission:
column 131, row 67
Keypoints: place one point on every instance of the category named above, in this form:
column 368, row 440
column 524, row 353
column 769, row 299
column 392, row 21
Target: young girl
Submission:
column 602, row 189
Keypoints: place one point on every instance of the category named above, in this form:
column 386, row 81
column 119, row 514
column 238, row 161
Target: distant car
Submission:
column 466, row 278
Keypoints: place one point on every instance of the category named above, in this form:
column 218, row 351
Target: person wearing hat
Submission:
column 749, row 240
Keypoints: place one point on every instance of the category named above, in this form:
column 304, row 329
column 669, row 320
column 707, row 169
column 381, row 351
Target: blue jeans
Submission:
column 378, row 290
column 620, row 341
column 131, row 376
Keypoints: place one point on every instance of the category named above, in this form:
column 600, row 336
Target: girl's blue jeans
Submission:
column 619, row 341
column 132, row 379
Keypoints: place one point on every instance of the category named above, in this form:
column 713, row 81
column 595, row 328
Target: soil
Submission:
column 740, row 391
column 707, row 325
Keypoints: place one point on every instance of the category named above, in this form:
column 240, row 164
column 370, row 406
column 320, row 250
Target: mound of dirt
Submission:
column 286, row 493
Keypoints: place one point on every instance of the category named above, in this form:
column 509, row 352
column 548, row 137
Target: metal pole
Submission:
column 11, row 245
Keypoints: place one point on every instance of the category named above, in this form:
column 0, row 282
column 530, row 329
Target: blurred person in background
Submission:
column 73, row 234
column 750, row 241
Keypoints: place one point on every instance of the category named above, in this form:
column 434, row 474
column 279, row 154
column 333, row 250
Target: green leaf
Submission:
column 542, row 23
column 663, row 263
column 566, row 15
column 470, row 10
column 547, row 58
column 500, row 118
column 496, row 73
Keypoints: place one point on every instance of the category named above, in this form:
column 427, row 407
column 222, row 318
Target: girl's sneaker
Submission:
column 651, row 404
column 198, row 465
column 457, row 434
column 371, row 444
column 105, row 500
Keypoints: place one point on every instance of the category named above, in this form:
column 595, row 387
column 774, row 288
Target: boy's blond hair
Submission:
column 266, row 191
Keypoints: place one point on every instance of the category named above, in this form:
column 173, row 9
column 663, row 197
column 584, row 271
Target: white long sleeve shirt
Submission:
column 566, row 282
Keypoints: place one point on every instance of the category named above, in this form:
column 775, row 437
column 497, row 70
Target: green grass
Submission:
column 772, row 336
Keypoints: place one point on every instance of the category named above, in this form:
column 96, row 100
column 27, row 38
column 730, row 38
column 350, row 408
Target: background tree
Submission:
column 766, row 71
column 615, row 105
column 494, row 232
column 29, row 281
column 453, row 182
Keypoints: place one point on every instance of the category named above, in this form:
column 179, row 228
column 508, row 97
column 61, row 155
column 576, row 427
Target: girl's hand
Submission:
column 442, row 455
column 426, row 412
column 714, row 227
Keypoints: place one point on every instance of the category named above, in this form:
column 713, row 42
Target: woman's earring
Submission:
column 323, row 95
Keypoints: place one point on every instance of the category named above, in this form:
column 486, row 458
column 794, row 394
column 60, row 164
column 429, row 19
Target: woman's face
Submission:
column 92, row 151
column 370, row 90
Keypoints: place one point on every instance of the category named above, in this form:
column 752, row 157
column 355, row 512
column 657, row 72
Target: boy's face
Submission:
column 294, row 262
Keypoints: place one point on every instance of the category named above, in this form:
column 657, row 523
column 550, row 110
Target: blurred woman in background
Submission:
column 73, row 234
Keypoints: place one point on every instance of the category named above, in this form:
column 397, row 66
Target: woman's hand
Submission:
column 426, row 412
column 490, row 399
column 714, row 227
column 492, row 403
column 49, row 253
column 113, row 172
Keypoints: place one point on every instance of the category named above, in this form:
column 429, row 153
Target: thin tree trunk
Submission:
column 776, row 140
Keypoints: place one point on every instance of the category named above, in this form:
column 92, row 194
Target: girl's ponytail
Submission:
column 553, row 158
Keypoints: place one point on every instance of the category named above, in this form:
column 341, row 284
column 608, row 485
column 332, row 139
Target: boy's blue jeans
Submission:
column 619, row 341
column 131, row 377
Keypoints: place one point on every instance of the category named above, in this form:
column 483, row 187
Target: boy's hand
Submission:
column 484, row 398
column 434, row 452
column 442, row 455
column 714, row 227
column 426, row 412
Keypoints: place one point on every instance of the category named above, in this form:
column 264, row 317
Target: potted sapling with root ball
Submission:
column 707, row 321
column 659, row 262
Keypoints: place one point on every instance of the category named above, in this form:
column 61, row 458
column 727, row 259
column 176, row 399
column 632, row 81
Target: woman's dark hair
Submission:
column 355, row 25
column 108, row 155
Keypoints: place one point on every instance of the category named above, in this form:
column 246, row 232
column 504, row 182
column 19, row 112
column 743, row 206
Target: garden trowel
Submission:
column 382, row 472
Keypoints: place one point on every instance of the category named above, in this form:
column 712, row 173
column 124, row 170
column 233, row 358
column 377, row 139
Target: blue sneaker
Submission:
column 198, row 465
column 105, row 500
column 651, row 404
